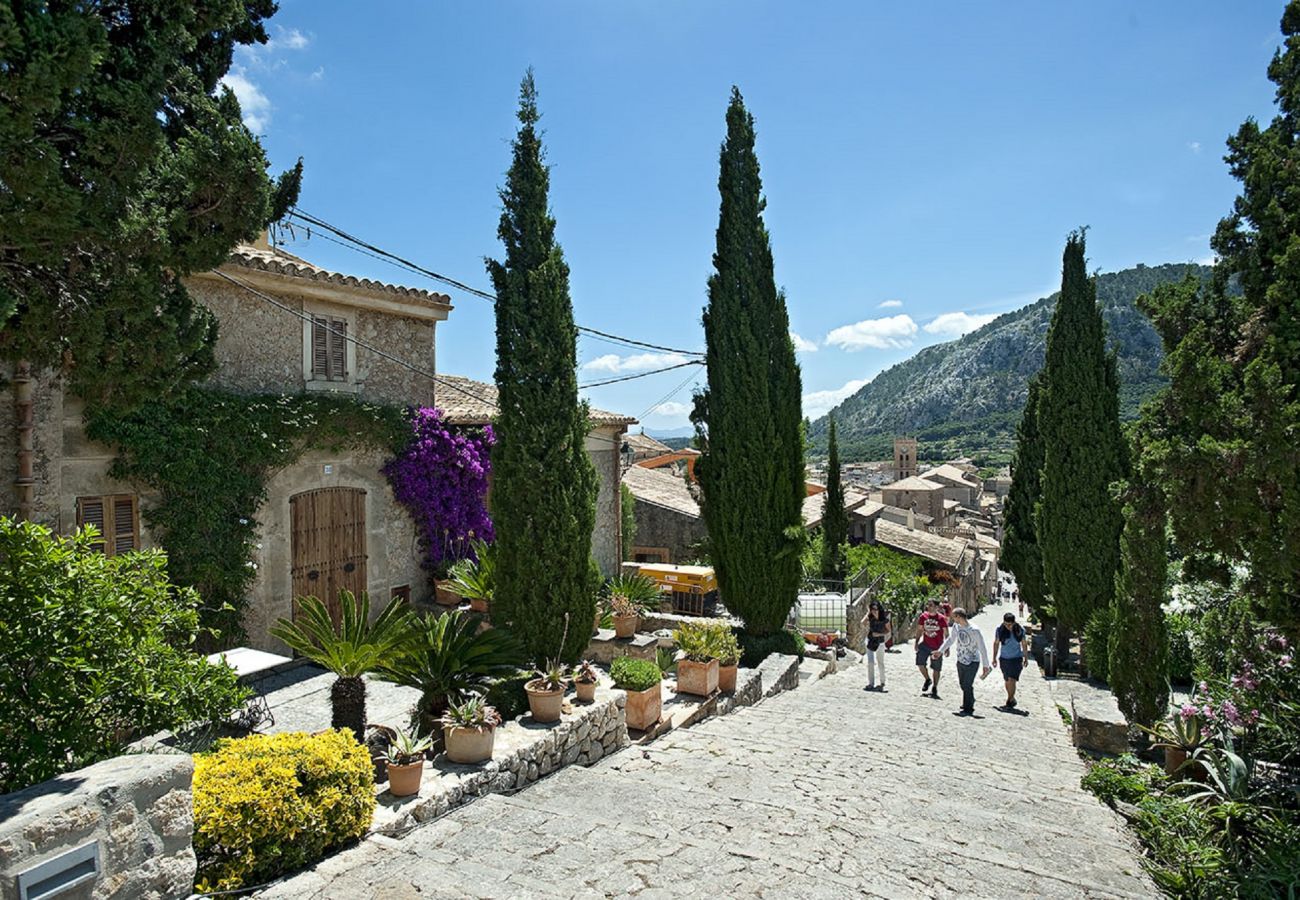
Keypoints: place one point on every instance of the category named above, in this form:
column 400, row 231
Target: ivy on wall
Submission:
column 209, row 454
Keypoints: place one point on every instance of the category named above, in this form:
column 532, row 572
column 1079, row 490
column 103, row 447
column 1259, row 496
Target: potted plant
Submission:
column 727, row 649
column 626, row 597
column 546, row 692
column 697, row 665
column 640, row 679
column 406, row 763
column 474, row 578
column 585, row 679
column 1180, row 737
column 469, row 728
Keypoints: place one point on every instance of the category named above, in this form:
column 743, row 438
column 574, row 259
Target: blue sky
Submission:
column 922, row 163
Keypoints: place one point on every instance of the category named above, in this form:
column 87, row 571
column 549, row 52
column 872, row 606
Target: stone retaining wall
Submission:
column 135, row 809
column 524, row 752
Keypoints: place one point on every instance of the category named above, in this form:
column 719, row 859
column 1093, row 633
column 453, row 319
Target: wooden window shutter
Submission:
column 90, row 511
column 320, row 357
column 339, row 349
column 126, row 533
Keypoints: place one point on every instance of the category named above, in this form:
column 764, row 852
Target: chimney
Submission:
column 263, row 240
column 911, row 517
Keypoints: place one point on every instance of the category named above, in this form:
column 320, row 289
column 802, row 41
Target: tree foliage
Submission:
column 1021, row 553
column 543, row 498
column 97, row 652
column 747, row 419
column 835, row 520
column 126, row 167
column 1225, row 435
column 1078, row 520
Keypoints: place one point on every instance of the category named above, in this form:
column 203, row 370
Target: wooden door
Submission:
column 328, row 528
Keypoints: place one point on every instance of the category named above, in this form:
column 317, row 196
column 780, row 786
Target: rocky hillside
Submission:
column 965, row 396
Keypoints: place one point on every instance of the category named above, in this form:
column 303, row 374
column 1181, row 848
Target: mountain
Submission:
column 966, row 396
column 685, row 431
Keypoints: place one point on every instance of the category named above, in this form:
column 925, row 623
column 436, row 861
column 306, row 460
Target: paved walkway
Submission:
column 826, row 791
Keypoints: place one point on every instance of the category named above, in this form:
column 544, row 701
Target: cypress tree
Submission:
column 747, row 418
column 1139, row 640
column 835, row 521
column 543, row 495
column 1020, row 551
column 1078, row 521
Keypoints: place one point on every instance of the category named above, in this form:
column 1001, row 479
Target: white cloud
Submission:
column 802, row 344
column 671, row 410
column 253, row 104
column 955, row 324
column 639, row 362
column 888, row 333
column 890, row 304
column 289, row 39
column 1194, row 146
column 1209, row 260
column 818, row 403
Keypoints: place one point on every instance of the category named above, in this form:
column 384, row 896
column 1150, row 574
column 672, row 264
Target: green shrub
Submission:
column 507, row 694
column 96, row 652
column 1180, row 628
column 632, row 674
column 756, row 648
column 1125, row 778
column 698, row 641
column 269, row 804
column 1096, row 642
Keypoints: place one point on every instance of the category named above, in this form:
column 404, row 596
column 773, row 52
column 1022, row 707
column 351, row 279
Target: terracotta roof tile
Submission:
column 465, row 401
column 661, row 487
column 945, row 551
column 282, row 263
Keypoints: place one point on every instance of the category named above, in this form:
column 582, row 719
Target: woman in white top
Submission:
column 971, row 655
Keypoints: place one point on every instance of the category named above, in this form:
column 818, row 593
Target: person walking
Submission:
column 1010, row 647
column 966, row 639
column 878, row 631
column 932, row 628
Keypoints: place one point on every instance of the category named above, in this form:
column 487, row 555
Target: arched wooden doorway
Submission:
column 328, row 528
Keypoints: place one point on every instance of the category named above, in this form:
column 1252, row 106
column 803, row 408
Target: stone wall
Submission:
column 524, row 751
column 137, row 809
column 676, row 532
column 603, row 445
column 47, row 447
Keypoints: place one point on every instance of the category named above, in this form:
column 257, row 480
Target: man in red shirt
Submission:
column 932, row 629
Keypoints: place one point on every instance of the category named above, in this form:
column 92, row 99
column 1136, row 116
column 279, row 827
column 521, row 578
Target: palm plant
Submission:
column 474, row 578
column 350, row 649
column 633, row 591
column 448, row 658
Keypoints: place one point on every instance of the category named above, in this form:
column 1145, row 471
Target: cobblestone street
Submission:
column 826, row 791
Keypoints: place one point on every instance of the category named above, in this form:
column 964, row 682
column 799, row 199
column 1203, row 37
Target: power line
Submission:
column 592, row 384
column 694, row 376
column 402, row 262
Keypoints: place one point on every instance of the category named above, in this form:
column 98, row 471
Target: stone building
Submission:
column 904, row 458
column 330, row 520
column 951, row 555
column 958, row 485
column 916, row 493
column 669, row 525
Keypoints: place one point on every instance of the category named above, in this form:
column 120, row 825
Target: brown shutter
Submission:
column 126, row 536
column 320, row 360
column 90, row 511
column 339, row 350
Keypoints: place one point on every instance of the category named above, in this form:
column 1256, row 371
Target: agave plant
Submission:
column 349, row 648
column 406, row 748
column 472, row 712
column 449, row 658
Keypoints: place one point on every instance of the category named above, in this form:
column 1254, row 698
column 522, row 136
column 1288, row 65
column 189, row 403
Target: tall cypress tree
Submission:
column 747, row 419
column 1020, row 551
column 544, row 485
column 835, row 521
column 1078, row 521
column 1139, row 640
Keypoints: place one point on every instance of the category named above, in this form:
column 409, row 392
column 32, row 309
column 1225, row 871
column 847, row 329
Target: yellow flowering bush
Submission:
column 269, row 804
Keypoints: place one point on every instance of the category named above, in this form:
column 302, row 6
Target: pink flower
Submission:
column 1187, row 712
column 1252, row 717
column 1284, row 660
column 1230, row 712
column 1208, row 711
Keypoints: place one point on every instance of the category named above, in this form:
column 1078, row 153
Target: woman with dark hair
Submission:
column 878, row 629
column 1010, row 646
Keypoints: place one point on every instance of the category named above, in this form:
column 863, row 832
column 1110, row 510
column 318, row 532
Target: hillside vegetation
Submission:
column 965, row 396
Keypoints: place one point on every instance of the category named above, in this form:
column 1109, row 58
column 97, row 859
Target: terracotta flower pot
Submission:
column 699, row 678
column 469, row 744
column 644, row 708
column 403, row 781
column 625, row 626
column 1174, row 758
column 479, row 605
column 586, row 691
column 543, row 704
column 727, row 677
column 444, row 595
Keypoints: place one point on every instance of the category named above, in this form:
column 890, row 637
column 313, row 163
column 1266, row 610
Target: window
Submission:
column 329, row 348
column 116, row 516
column 401, row 592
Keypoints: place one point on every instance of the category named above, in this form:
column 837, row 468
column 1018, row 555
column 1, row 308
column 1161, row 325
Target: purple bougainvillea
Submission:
column 442, row 479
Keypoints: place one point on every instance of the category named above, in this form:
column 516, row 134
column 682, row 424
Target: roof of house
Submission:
column 815, row 504
column 280, row 262
column 949, row 472
column 465, row 401
column 945, row 551
column 661, row 487
column 913, row 483
column 643, row 443
column 866, row 509
column 899, row 515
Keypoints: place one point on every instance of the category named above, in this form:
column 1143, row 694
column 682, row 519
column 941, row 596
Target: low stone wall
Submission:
column 779, row 672
column 524, row 752
column 657, row 621
column 136, row 811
